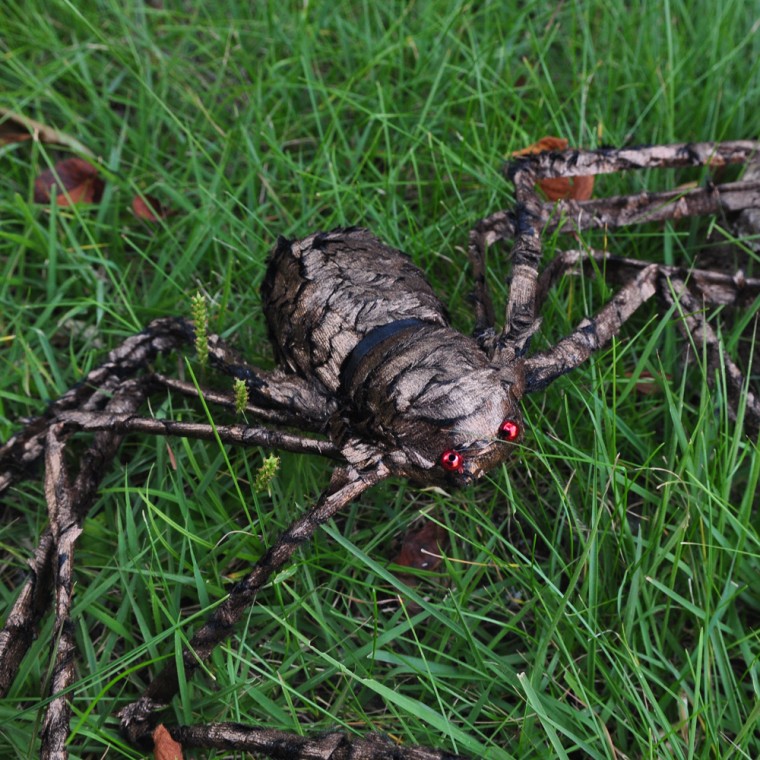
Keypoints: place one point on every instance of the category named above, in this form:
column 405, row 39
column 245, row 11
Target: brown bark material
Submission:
column 335, row 745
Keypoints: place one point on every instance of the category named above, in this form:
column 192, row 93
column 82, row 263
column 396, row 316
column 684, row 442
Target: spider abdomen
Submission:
column 323, row 294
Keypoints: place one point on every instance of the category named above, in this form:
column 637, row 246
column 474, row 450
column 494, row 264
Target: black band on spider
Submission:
column 372, row 340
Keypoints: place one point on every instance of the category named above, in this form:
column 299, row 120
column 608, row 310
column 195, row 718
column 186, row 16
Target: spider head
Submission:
column 460, row 428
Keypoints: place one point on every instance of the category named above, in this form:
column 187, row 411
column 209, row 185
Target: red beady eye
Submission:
column 509, row 430
column 452, row 460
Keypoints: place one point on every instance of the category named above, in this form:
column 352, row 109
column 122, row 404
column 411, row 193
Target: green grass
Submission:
column 601, row 596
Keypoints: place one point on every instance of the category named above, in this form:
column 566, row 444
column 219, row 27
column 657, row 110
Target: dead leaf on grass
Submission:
column 15, row 127
column 559, row 188
column 422, row 547
column 164, row 747
column 543, row 145
column 77, row 177
column 150, row 209
column 647, row 384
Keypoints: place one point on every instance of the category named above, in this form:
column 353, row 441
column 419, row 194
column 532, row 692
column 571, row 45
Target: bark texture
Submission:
column 345, row 308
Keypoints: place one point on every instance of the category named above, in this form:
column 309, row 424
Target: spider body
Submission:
column 357, row 317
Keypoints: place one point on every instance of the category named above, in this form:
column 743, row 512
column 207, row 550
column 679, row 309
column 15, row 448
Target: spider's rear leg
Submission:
column 290, row 398
column 307, row 402
column 532, row 216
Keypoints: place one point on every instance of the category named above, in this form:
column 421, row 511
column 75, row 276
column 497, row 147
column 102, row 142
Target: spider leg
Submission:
column 689, row 290
column 296, row 399
column 284, row 417
column 569, row 163
column 625, row 210
column 498, row 226
column 278, row 389
column 272, row 743
column 694, row 326
column 671, row 284
column 717, row 288
column 531, row 216
column 22, row 621
column 238, row 435
column 591, row 334
column 520, row 322
column 347, row 484
column 66, row 528
column 21, row 452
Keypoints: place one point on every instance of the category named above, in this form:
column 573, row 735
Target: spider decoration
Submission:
column 370, row 368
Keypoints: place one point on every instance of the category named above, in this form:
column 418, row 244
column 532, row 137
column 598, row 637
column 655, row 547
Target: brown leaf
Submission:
column 559, row 188
column 150, row 208
column 14, row 127
column 567, row 188
column 648, row 384
column 544, row 145
column 164, row 747
column 421, row 548
column 79, row 178
column 10, row 133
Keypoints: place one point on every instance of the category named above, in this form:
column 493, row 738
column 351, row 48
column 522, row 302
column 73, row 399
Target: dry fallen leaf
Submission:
column 421, row 548
column 559, row 188
column 10, row 133
column 15, row 127
column 79, row 178
column 150, row 208
column 544, row 145
column 567, row 188
column 648, row 384
column 164, row 747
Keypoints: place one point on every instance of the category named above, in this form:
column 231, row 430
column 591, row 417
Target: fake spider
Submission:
column 371, row 370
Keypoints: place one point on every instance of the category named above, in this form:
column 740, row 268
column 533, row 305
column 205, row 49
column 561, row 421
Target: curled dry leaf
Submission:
column 164, row 747
column 543, row 145
column 77, row 177
column 15, row 127
column 149, row 208
column 567, row 188
column 559, row 188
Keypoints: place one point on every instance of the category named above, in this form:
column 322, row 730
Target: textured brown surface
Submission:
column 425, row 390
column 324, row 293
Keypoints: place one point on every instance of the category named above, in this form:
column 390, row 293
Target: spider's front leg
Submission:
column 591, row 334
column 346, row 485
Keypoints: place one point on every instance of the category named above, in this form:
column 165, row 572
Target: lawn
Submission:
column 600, row 596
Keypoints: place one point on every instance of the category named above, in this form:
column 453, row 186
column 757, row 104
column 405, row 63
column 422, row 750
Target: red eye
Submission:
column 509, row 430
column 452, row 460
